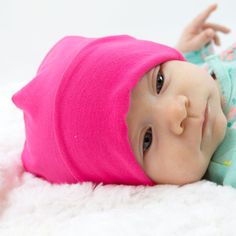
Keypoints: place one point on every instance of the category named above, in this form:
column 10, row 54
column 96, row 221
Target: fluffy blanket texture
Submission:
column 31, row 206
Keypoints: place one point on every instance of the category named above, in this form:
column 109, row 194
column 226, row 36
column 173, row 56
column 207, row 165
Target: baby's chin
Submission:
column 212, row 142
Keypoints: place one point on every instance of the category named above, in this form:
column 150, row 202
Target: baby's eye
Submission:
column 213, row 75
column 159, row 82
column 147, row 139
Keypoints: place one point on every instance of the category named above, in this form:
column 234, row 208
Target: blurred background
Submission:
column 28, row 28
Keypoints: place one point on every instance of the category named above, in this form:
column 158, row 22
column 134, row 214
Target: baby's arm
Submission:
column 199, row 32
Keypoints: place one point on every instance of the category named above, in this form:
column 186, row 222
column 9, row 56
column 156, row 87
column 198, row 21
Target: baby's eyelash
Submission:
column 146, row 139
column 160, row 80
column 213, row 75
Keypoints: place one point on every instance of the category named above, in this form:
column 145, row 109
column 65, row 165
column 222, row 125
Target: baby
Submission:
column 177, row 116
column 118, row 110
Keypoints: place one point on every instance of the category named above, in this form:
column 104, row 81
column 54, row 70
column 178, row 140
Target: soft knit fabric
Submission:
column 75, row 109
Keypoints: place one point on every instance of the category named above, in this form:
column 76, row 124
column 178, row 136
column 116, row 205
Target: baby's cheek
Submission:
column 205, row 67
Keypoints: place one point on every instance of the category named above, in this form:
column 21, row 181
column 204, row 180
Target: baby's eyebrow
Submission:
column 138, row 146
column 137, row 138
column 150, row 75
column 136, row 141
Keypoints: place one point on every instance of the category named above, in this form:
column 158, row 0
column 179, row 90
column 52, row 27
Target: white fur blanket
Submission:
column 31, row 206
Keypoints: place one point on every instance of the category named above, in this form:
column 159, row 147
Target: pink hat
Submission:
column 75, row 109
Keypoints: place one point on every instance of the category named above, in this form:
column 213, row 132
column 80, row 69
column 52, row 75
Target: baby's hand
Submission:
column 199, row 32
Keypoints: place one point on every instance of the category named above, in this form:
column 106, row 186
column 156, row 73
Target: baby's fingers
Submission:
column 216, row 27
column 216, row 40
column 202, row 17
column 204, row 37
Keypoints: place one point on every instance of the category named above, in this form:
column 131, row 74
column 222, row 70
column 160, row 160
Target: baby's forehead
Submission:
column 138, row 88
column 144, row 82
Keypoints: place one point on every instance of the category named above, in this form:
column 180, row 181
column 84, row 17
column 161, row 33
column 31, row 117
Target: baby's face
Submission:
column 175, row 122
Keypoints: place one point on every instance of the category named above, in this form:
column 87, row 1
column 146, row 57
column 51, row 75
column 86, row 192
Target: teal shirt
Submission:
column 222, row 167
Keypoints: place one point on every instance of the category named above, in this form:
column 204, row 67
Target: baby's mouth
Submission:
column 205, row 119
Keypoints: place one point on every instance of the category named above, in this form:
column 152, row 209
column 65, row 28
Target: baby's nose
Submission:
column 178, row 113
